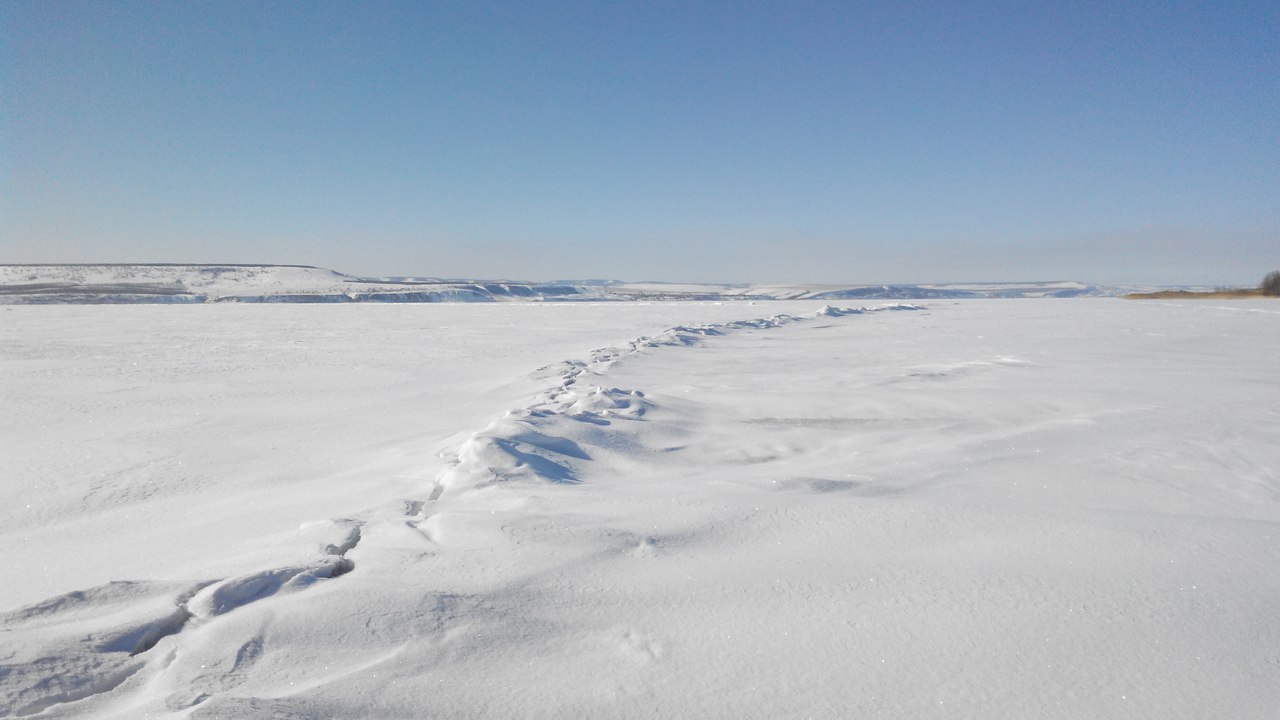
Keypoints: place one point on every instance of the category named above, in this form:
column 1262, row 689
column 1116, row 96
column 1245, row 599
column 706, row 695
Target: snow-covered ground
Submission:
column 187, row 284
column 1028, row 508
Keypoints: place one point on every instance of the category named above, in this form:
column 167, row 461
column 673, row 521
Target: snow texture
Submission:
column 1040, row 509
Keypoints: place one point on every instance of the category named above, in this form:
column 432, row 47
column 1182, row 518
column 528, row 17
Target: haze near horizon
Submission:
column 723, row 142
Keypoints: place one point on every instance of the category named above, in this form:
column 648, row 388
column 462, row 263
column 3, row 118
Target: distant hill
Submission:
column 178, row 283
column 173, row 283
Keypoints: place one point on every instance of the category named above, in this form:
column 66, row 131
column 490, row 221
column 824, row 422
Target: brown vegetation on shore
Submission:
column 1238, row 294
column 1270, row 287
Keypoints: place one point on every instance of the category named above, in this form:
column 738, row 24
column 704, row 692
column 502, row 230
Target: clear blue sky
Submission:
column 735, row 141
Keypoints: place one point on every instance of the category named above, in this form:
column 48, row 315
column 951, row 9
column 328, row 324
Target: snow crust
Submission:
column 1040, row 509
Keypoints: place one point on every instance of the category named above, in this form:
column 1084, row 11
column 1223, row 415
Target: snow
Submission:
column 213, row 279
column 1025, row 508
column 192, row 284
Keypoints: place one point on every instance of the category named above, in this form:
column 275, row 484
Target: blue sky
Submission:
column 737, row 142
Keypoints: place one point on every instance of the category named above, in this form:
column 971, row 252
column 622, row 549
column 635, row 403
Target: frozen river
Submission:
column 1024, row 508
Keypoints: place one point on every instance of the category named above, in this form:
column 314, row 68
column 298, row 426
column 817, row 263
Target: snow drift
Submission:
column 970, row 509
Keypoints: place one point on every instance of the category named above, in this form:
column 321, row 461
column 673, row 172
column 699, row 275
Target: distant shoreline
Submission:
column 1241, row 294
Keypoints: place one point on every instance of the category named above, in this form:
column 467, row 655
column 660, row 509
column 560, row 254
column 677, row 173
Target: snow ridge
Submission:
column 123, row 638
column 521, row 444
column 126, row 620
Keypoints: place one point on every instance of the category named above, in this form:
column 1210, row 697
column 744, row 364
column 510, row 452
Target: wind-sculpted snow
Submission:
column 82, row 643
column 91, row 642
column 83, row 646
column 978, row 509
column 523, row 444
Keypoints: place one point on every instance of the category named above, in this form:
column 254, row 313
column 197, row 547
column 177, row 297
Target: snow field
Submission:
column 1024, row 508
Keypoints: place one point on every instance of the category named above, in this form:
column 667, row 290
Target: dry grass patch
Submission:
column 1244, row 294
